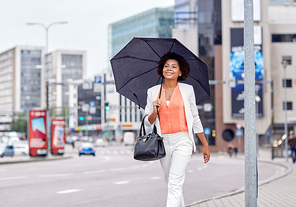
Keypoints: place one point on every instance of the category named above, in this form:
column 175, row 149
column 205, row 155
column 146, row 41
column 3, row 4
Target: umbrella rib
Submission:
column 152, row 48
column 199, row 83
column 172, row 45
column 136, row 77
column 136, row 59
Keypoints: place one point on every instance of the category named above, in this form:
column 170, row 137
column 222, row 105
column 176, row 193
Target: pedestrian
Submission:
column 235, row 149
column 175, row 115
column 292, row 143
column 230, row 150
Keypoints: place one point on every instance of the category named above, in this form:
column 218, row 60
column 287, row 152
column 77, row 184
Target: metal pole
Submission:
column 286, row 124
column 250, row 115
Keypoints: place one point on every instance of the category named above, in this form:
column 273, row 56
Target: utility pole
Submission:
column 251, row 176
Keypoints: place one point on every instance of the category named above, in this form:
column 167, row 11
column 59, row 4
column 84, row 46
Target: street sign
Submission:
column 239, row 132
column 98, row 79
column 207, row 131
column 85, row 107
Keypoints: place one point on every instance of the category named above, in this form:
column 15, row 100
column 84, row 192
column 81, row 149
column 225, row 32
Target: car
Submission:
column 21, row 149
column 129, row 138
column 100, row 143
column 87, row 148
column 6, row 150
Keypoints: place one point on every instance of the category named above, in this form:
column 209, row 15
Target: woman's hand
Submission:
column 206, row 154
column 156, row 103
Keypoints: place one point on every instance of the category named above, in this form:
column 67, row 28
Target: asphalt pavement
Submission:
column 277, row 190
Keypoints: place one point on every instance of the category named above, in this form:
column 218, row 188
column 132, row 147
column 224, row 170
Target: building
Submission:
column 157, row 22
column 125, row 115
column 21, row 82
column 217, row 38
column 62, row 65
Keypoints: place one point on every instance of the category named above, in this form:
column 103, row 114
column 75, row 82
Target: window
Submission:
column 289, row 105
column 288, row 83
column 283, row 37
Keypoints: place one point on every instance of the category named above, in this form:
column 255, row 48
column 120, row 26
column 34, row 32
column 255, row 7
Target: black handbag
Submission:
column 149, row 146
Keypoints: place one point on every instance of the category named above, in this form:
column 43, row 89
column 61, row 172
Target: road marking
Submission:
column 95, row 171
column 134, row 167
column 118, row 169
column 69, row 191
column 121, row 152
column 155, row 178
column 121, row 182
column 115, row 152
column 2, row 170
column 199, row 168
column 54, row 175
column 12, row 178
column 128, row 152
column 190, row 171
column 108, row 152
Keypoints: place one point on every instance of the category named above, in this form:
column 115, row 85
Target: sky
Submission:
column 87, row 27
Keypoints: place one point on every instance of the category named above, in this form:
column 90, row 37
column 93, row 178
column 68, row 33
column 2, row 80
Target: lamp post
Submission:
column 46, row 34
column 284, row 64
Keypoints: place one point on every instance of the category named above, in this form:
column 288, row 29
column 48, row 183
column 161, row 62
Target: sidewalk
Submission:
column 278, row 191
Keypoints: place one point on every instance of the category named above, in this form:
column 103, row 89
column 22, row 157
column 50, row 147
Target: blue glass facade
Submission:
column 30, row 79
column 157, row 22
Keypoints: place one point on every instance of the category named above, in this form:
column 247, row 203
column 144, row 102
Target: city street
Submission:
column 114, row 178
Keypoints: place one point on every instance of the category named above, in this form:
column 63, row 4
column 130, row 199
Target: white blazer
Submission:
column 191, row 112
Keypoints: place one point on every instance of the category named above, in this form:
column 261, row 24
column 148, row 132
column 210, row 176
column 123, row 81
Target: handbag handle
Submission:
column 142, row 124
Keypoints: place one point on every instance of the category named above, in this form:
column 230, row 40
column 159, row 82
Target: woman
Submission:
column 175, row 115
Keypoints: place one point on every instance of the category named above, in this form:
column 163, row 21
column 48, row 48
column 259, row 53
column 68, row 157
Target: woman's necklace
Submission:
column 169, row 92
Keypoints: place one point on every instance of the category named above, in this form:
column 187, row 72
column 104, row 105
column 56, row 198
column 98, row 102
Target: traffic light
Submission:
column 81, row 118
column 107, row 107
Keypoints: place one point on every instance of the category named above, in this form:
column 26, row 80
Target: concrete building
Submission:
column 217, row 38
column 21, row 82
column 62, row 65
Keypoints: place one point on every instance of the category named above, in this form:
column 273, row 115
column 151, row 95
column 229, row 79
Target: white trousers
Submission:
column 178, row 148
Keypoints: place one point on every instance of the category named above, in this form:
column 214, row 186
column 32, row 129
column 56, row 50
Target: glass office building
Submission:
column 157, row 22
column 30, row 79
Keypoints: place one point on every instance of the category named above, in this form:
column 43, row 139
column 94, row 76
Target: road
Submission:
column 113, row 178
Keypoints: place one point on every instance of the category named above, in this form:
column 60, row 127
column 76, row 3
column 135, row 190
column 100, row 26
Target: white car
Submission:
column 21, row 149
column 129, row 138
column 100, row 143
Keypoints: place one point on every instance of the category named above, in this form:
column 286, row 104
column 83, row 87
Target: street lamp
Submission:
column 284, row 64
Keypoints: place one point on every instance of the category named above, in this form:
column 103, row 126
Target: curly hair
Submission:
column 183, row 64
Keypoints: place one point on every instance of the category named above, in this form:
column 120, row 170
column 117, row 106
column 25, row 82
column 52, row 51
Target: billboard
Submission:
column 237, row 69
column 58, row 136
column 37, row 132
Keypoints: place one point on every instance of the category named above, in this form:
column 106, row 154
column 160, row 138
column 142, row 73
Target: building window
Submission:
column 283, row 37
column 289, row 105
column 125, row 109
column 288, row 83
column 131, row 112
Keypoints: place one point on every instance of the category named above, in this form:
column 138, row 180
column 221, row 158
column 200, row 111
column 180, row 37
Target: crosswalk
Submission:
column 114, row 152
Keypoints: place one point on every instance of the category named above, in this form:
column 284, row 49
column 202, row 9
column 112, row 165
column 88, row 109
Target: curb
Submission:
column 35, row 159
column 242, row 189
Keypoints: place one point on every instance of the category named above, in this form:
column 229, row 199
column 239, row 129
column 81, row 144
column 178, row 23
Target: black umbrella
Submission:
column 135, row 68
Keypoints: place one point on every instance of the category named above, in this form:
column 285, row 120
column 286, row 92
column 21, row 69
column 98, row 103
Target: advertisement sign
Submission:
column 237, row 10
column 237, row 70
column 58, row 136
column 37, row 132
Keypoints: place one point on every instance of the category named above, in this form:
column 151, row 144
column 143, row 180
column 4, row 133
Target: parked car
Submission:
column 6, row 150
column 21, row 149
column 100, row 143
column 129, row 138
column 87, row 148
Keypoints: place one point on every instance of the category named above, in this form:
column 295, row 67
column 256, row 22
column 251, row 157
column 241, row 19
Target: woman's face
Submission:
column 171, row 70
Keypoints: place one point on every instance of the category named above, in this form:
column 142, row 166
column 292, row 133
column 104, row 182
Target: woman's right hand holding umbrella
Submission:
column 156, row 104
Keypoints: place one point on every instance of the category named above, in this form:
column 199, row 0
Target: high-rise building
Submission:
column 63, row 65
column 21, row 81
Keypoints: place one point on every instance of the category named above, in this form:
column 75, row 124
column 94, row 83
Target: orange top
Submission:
column 172, row 117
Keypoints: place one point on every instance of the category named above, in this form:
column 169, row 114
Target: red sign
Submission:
column 58, row 136
column 37, row 132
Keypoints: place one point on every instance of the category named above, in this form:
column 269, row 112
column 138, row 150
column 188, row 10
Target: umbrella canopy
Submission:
column 135, row 68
